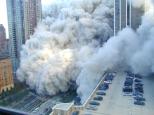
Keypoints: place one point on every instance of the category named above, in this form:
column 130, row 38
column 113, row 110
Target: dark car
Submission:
column 126, row 89
column 109, row 77
column 129, row 73
column 129, row 78
column 139, row 98
column 138, row 84
column 77, row 100
column 139, row 103
column 137, row 80
column 75, row 113
column 94, row 103
column 137, row 94
column 138, row 76
column 138, row 87
column 98, row 98
column 104, row 86
column 128, row 82
column 139, row 90
column 100, row 93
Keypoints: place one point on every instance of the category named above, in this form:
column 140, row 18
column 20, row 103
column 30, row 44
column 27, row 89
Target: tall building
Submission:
column 3, row 41
column 2, row 38
column 32, row 16
column 16, row 29
column 6, row 75
column 126, row 15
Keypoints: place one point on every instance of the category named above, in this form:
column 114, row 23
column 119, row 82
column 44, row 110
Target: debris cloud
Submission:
column 68, row 45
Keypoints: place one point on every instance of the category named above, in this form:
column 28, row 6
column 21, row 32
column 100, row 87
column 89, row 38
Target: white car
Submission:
column 108, row 81
column 127, row 94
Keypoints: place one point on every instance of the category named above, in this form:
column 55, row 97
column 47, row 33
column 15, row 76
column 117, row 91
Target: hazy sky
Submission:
column 3, row 13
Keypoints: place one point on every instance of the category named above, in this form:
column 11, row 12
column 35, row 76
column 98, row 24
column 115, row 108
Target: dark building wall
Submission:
column 127, row 15
column 136, row 17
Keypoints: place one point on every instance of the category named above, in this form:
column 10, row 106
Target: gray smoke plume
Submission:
column 66, row 46
column 69, row 35
column 128, row 50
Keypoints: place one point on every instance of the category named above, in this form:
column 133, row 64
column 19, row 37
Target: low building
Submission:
column 6, row 75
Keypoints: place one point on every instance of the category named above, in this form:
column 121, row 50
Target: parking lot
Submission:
column 116, row 103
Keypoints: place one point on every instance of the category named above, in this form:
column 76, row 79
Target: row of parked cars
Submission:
column 133, row 86
column 101, row 92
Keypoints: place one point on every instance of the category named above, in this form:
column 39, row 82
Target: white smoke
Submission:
column 143, row 60
column 129, row 50
column 68, row 36
column 66, row 46
column 138, row 3
column 115, row 52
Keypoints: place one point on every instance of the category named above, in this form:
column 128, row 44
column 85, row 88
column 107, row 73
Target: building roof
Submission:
column 63, row 106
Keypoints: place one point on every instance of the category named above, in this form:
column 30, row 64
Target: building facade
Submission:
column 3, row 41
column 23, row 17
column 16, row 30
column 32, row 16
column 126, row 15
column 6, row 75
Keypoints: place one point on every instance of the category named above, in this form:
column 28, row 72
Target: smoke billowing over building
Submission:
column 66, row 45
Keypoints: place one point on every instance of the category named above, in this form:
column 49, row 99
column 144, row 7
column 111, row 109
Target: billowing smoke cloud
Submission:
column 67, row 46
column 129, row 50
column 69, row 35
column 143, row 60
column 138, row 3
column 116, row 52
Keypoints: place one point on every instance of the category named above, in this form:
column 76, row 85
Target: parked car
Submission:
column 109, row 76
column 138, row 76
column 100, row 93
column 129, row 73
column 127, row 89
column 108, row 81
column 91, row 108
column 138, row 94
column 77, row 100
column 129, row 78
column 137, row 80
column 104, row 86
column 139, row 98
column 98, row 98
column 139, row 90
column 127, row 94
column 127, row 83
column 139, row 103
column 138, row 84
column 75, row 113
column 94, row 103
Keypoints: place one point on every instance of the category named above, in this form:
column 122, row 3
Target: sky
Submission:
column 3, row 12
column 3, row 15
